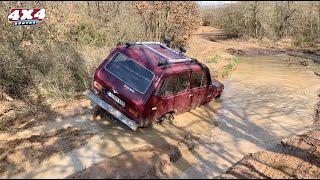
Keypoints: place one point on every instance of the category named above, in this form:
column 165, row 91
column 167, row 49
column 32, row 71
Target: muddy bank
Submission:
column 17, row 115
column 307, row 54
column 19, row 154
column 312, row 55
column 298, row 157
column 252, row 47
column 147, row 162
column 10, row 110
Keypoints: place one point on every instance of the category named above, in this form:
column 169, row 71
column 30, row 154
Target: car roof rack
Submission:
column 169, row 60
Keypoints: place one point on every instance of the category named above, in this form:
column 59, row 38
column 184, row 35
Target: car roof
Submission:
column 149, row 55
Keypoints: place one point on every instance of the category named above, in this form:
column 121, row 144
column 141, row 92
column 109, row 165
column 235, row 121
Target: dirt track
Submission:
column 264, row 102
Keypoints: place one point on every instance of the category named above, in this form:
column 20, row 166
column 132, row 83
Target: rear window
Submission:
column 130, row 72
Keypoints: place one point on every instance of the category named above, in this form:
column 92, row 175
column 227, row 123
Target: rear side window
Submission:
column 130, row 72
column 169, row 86
column 198, row 79
column 175, row 84
column 183, row 83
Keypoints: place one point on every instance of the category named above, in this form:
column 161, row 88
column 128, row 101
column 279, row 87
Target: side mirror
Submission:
column 166, row 41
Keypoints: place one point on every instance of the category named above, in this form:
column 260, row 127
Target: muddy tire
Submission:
column 166, row 118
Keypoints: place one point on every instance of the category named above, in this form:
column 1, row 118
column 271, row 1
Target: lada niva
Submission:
column 142, row 83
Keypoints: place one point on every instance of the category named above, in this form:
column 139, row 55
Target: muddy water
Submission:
column 265, row 100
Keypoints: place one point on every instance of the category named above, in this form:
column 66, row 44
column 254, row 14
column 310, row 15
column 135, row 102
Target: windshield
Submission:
column 130, row 72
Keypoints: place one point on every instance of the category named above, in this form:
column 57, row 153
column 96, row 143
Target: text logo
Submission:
column 20, row 16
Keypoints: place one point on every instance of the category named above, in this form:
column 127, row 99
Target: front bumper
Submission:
column 120, row 116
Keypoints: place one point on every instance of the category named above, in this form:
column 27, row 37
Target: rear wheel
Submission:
column 165, row 118
column 97, row 111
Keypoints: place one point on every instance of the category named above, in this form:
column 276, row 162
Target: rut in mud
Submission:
column 297, row 158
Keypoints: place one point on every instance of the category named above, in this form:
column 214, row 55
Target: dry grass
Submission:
column 212, row 53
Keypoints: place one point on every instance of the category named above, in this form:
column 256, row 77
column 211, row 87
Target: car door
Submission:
column 175, row 94
column 198, row 88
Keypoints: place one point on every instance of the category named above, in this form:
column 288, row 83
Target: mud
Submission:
column 266, row 99
column 145, row 162
column 297, row 158
column 253, row 114
column 17, row 155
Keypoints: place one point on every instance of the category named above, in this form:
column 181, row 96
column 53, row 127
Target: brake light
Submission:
column 97, row 85
column 133, row 112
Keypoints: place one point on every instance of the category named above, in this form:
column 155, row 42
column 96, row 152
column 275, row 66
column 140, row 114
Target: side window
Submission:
column 169, row 86
column 198, row 79
column 204, row 81
column 175, row 85
column 183, row 83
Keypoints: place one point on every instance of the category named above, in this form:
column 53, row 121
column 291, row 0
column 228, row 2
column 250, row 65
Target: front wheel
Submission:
column 167, row 117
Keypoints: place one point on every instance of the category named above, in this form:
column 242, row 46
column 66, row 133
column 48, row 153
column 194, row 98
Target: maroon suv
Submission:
column 144, row 82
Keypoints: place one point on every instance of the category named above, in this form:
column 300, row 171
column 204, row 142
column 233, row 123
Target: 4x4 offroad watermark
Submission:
column 22, row 16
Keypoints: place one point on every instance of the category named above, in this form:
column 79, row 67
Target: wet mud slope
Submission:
column 18, row 154
column 298, row 157
column 145, row 162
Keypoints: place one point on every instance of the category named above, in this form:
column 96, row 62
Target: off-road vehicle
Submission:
column 144, row 82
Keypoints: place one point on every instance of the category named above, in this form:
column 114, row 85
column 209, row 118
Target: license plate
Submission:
column 115, row 98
